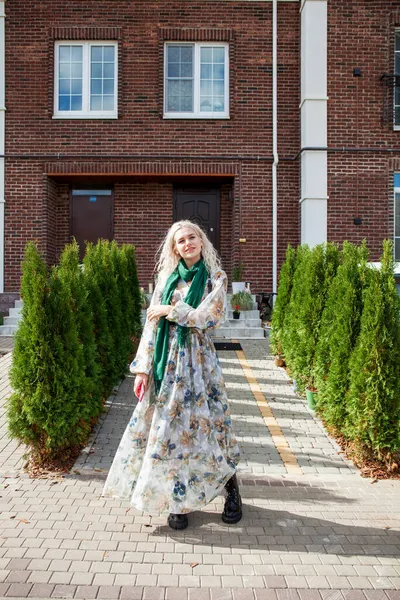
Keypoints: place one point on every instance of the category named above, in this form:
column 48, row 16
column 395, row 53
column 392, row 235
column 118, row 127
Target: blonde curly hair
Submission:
column 167, row 259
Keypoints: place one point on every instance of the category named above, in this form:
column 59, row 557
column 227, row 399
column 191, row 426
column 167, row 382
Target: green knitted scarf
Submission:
column 198, row 275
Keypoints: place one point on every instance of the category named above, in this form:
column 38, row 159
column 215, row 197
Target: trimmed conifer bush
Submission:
column 94, row 279
column 312, row 279
column 282, row 299
column 72, row 276
column 373, row 416
column 135, row 307
column 340, row 325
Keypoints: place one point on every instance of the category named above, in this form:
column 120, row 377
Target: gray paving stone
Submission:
column 63, row 591
column 20, row 590
column 41, row 590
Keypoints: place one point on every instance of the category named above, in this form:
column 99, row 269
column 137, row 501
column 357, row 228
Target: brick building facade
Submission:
column 121, row 116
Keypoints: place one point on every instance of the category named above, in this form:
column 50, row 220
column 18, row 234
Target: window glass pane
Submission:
column 212, row 83
column 173, row 53
column 186, row 53
column 76, row 86
column 97, row 71
column 397, row 41
column 173, row 70
column 397, row 115
column 179, row 85
column 397, row 214
column 96, row 53
column 102, row 83
column 95, row 103
column 64, row 53
column 76, row 102
column 109, row 54
column 397, row 63
column 219, row 55
column 397, row 249
column 70, row 78
column 218, row 71
column 218, row 104
column 64, row 70
column 108, row 70
column 65, row 86
column 205, row 71
column 76, row 70
column 218, row 88
column 96, row 87
column 108, row 86
column 64, row 103
column 206, row 104
column 108, row 102
column 76, row 53
column 206, row 55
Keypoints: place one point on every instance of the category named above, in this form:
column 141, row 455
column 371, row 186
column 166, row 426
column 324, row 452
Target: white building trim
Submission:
column 2, row 138
column 314, row 121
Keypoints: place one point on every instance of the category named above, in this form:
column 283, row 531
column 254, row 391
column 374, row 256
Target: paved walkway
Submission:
column 312, row 527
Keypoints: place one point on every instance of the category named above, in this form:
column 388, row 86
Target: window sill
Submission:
column 198, row 116
column 85, row 116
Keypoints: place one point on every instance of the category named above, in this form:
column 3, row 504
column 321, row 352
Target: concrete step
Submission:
column 240, row 333
column 11, row 320
column 18, row 304
column 243, row 322
column 229, row 296
column 245, row 314
column 14, row 312
column 8, row 329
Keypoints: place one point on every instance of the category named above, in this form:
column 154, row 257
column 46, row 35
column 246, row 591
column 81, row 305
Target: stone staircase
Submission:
column 248, row 326
column 12, row 321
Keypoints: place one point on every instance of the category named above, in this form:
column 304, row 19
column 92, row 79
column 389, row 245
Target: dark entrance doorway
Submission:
column 201, row 205
column 91, row 216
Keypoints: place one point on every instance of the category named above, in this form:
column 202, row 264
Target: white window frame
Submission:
column 85, row 113
column 396, row 191
column 396, row 126
column 196, row 114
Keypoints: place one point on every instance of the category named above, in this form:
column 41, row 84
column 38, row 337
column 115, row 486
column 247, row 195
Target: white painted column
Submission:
column 314, row 134
column 2, row 137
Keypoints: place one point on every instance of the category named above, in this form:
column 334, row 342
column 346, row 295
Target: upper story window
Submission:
column 85, row 82
column 196, row 80
column 397, row 87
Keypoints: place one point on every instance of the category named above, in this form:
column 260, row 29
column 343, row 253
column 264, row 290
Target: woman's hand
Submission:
column 141, row 379
column 158, row 310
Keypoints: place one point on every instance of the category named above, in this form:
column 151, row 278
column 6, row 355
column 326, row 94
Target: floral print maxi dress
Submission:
column 179, row 450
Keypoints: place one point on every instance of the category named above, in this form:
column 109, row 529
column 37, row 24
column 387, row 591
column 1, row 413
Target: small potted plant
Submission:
column 236, row 312
column 237, row 276
column 311, row 393
column 243, row 300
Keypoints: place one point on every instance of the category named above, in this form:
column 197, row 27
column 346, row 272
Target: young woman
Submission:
column 178, row 451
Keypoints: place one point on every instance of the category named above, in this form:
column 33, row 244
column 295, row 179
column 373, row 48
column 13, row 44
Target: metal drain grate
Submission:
column 227, row 346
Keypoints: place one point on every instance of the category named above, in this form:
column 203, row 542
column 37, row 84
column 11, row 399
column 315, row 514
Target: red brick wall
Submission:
column 360, row 34
column 139, row 28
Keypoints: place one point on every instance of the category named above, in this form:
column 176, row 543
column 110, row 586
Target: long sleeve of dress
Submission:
column 143, row 361
column 210, row 313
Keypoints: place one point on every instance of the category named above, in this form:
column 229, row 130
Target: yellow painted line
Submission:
column 278, row 437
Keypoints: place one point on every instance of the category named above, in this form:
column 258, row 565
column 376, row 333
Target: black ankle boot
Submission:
column 177, row 521
column 233, row 503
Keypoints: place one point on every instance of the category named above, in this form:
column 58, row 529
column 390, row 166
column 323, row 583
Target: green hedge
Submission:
column 72, row 345
column 338, row 328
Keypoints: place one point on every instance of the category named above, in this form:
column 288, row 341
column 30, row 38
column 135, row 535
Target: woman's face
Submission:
column 188, row 245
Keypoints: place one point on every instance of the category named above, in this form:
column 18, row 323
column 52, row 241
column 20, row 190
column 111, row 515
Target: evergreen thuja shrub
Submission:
column 340, row 325
column 289, row 332
column 124, row 300
column 318, row 268
column 135, row 306
column 282, row 300
column 94, row 281
column 32, row 348
column 373, row 415
column 71, row 275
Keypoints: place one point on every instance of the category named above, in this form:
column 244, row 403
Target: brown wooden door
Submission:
column 91, row 216
column 200, row 205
